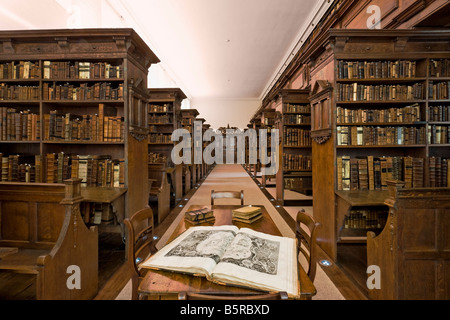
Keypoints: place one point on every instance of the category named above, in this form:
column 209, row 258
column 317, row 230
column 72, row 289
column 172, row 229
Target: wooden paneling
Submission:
column 14, row 221
column 412, row 250
column 48, row 227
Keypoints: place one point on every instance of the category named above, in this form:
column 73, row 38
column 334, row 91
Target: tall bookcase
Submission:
column 188, row 117
column 294, row 124
column 74, row 94
column 268, row 118
column 379, row 116
column 164, row 117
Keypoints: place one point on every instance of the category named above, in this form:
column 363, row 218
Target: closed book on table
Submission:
column 200, row 215
column 247, row 214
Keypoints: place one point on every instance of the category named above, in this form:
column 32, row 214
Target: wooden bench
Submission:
column 412, row 251
column 43, row 222
column 159, row 192
column 187, row 178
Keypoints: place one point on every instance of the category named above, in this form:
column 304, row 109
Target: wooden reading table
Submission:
column 108, row 196
column 162, row 285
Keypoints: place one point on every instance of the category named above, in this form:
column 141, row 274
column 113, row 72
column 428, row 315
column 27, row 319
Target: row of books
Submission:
column 361, row 92
column 101, row 171
column 167, row 107
column 439, row 113
column 18, row 92
column 439, row 134
column 439, row 68
column 95, row 170
column 18, row 125
column 159, row 138
column 269, row 121
column 376, row 69
column 298, row 183
column 69, row 127
column 439, row 90
column 97, row 213
column 439, row 171
column 398, row 114
column 296, row 162
column 372, row 173
column 373, row 136
column 296, row 137
column 16, row 168
column 297, row 119
column 81, row 70
column 366, row 219
column 301, row 108
column 20, row 70
column 159, row 119
column 83, row 91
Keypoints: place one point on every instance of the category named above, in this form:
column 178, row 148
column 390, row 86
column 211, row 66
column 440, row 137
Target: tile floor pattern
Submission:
column 234, row 177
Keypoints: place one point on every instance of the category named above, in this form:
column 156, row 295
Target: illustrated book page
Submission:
column 196, row 251
column 261, row 261
column 232, row 256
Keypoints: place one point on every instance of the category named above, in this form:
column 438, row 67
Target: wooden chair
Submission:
column 228, row 195
column 306, row 241
column 265, row 296
column 140, row 244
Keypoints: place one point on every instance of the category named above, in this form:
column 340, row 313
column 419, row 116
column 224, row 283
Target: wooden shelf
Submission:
column 298, row 180
column 382, row 146
column 381, row 102
column 94, row 46
column 370, row 124
column 382, row 80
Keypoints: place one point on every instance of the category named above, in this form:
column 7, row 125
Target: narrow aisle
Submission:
column 230, row 177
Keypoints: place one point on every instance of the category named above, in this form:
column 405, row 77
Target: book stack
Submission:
column 199, row 216
column 247, row 214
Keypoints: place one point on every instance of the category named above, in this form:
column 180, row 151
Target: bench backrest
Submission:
column 31, row 215
column 158, row 173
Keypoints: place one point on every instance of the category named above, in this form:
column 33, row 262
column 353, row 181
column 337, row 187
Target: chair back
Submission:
column 140, row 244
column 227, row 195
column 306, row 234
column 204, row 296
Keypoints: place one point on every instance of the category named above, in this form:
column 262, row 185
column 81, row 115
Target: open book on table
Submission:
column 233, row 256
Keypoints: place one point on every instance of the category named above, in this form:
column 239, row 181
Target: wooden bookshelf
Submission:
column 188, row 117
column 82, row 97
column 164, row 117
column 294, row 124
column 201, row 168
column 268, row 119
column 255, row 124
column 385, row 110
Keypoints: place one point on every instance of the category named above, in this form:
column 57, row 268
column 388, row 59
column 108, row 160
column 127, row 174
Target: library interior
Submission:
column 158, row 150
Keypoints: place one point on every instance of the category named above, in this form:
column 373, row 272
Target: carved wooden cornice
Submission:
column 116, row 42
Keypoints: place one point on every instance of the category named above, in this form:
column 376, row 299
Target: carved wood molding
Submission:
column 138, row 133
column 321, row 136
column 8, row 47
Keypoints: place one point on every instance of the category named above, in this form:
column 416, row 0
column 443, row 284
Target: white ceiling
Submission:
column 223, row 49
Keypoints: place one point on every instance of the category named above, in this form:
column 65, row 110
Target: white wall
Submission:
column 60, row 14
column 220, row 113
